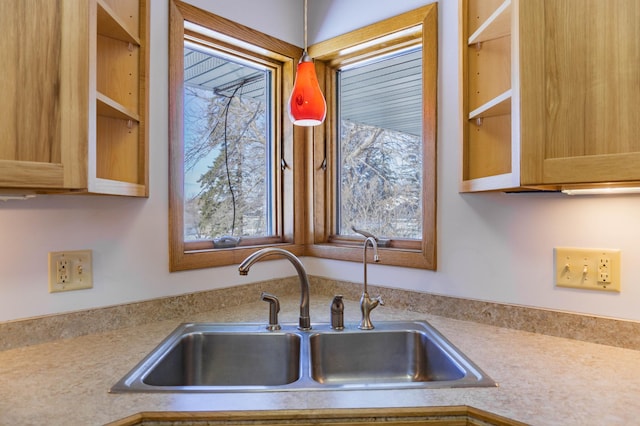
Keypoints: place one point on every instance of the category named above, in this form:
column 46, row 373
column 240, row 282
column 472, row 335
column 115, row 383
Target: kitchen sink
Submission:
column 218, row 357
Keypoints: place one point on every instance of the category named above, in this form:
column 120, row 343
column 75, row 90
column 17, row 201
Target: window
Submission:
column 379, row 145
column 375, row 157
column 233, row 166
column 228, row 160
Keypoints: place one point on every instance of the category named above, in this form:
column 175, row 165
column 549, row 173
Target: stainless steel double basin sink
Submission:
column 218, row 357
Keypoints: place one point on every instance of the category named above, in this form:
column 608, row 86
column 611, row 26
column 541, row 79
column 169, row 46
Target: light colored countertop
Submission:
column 542, row 380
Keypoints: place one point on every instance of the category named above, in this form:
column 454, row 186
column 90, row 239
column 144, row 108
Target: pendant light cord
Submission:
column 305, row 26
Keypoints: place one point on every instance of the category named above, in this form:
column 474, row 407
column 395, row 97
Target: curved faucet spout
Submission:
column 367, row 304
column 305, row 320
column 374, row 245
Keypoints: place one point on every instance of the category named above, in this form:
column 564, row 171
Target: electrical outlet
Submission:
column 70, row 270
column 62, row 271
column 590, row 269
column 604, row 271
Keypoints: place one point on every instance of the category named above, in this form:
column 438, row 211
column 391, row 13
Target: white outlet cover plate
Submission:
column 79, row 270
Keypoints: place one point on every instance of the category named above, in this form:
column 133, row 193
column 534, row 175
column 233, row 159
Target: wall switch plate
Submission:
column 70, row 270
column 590, row 269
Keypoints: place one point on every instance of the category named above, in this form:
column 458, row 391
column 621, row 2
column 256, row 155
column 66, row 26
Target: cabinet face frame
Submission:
column 490, row 157
column 118, row 150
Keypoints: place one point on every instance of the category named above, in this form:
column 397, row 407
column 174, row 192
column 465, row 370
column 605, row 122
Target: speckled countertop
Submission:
column 543, row 380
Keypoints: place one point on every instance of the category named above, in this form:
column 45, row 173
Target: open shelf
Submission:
column 110, row 108
column 499, row 105
column 496, row 26
column 111, row 25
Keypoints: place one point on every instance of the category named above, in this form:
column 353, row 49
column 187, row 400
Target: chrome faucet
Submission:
column 366, row 303
column 305, row 320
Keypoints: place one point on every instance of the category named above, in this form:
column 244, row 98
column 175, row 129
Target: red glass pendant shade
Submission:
column 307, row 106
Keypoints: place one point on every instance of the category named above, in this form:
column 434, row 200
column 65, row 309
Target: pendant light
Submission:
column 307, row 106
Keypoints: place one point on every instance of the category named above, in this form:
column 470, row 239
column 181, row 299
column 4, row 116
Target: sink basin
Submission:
column 375, row 357
column 228, row 359
column 206, row 357
column 217, row 357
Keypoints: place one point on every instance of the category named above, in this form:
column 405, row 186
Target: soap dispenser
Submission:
column 337, row 313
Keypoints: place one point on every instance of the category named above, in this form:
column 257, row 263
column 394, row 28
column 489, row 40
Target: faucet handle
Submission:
column 367, row 304
column 274, row 308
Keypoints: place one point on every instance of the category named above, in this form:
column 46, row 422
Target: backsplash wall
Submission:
column 491, row 247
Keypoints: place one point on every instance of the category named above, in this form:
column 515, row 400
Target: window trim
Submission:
column 329, row 55
column 183, row 255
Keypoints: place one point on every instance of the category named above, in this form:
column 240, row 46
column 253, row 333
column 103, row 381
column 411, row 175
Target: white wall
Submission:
column 495, row 247
column 129, row 237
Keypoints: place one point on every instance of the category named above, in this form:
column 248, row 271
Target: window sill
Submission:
column 409, row 258
column 183, row 260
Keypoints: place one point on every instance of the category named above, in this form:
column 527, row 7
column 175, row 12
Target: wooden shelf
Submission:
column 110, row 108
column 496, row 26
column 110, row 25
column 500, row 105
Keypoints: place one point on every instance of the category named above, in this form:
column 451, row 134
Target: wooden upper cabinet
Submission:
column 73, row 105
column 550, row 93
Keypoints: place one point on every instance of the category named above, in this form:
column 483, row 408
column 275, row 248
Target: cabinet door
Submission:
column 580, row 85
column 42, row 96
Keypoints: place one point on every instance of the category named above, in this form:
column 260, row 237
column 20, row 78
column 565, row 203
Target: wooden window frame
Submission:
column 322, row 160
column 290, row 182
